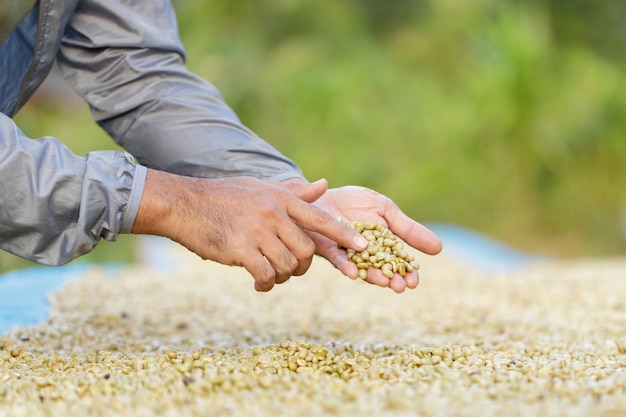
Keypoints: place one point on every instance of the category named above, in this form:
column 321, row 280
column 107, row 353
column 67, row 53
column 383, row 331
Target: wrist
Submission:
column 157, row 203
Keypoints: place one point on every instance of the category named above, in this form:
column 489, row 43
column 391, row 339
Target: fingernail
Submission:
column 360, row 241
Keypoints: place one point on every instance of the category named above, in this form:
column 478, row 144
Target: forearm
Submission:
column 142, row 94
column 56, row 205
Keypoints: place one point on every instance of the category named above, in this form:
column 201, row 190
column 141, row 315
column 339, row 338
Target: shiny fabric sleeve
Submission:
column 124, row 57
column 56, row 205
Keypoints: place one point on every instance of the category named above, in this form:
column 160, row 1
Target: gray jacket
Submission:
column 125, row 59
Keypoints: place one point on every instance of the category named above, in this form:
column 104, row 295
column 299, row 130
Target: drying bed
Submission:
column 546, row 340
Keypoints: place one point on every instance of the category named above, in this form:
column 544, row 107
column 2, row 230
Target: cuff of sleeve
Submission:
column 136, row 193
column 287, row 176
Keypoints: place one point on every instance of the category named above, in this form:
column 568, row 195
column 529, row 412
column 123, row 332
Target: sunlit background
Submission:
column 505, row 117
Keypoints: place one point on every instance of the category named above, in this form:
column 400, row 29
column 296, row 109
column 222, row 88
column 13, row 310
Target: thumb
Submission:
column 308, row 192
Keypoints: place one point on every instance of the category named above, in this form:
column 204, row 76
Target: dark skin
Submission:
column 272, row 229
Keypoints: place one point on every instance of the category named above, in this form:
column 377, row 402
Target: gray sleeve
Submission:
column 130, row 68
column 56, row 205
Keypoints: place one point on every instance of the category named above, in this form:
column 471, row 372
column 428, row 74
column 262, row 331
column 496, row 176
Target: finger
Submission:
column 281, row 279
column 348, row 268
column 412, row 279
column 280, row 258
column 333, row 254
column 299, row 244
column 317, row 220
column 306, row 191
column 263, row 273
column 376, row 277
column 397, row 283
column 303, row 266
column 412, row 232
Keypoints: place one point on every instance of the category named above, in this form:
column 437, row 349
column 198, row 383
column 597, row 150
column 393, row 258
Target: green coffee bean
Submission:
column 385, row 251
column 387, row 271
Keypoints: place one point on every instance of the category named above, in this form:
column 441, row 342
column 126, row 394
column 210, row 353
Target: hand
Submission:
column 242, row 221
column 362, row 204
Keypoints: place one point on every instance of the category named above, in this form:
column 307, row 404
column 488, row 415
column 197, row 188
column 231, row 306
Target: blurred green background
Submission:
column 507, row 117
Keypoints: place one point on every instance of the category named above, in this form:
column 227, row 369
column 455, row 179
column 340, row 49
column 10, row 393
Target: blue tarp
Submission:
column 479, row 251
column 23, row 293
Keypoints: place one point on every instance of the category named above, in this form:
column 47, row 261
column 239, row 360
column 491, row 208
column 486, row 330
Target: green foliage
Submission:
column 504, row 116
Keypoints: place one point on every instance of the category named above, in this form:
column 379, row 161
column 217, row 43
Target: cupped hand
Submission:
column 365, row 205
column 243, row 221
